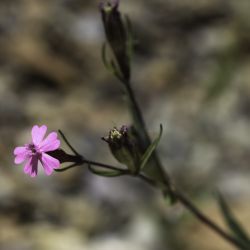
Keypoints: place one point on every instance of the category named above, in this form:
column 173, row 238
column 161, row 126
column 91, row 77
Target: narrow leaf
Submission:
column 232, row 223
column 106, row 173
column 66, row 168
column 115, row 70
column 105, row 60
column 130, row 39
column 150, row 149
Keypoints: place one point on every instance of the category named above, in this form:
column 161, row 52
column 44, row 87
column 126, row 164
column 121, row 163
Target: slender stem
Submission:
column 137, row 115
column 188, row 204
column 198, row 214
column 205, row 220
column 161, row 179
column 178, row 195
column 85, row 161
column 139, row 122
column 148, row 180
column 143, row 133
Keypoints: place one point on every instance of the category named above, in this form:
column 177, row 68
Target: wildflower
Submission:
column 38, row 150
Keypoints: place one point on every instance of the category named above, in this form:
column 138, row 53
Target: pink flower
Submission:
column 37, row 151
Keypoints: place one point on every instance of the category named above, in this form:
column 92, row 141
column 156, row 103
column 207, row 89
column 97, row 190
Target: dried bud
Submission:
column 124, row 148
column 116, row 35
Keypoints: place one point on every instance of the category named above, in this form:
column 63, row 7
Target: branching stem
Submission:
column 178, row 195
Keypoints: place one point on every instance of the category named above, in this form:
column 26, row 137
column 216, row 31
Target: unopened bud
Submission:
column 116, row 35
column 124, row 148
column 63, row 157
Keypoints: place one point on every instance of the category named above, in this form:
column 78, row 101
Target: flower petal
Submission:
column 30, row 167
column 50, row 143
column 38, row 134
column 49, row 163
column 21, row 154
column 20, row 158
column 27, row 167
column 19, row 150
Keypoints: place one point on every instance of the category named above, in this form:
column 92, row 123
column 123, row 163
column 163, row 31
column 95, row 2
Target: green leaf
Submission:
column 115, row 70
column 130, row 39
column 107, row 172
column 150, row 150
column 232, row 223
column 104, row 55
column 109, row 64
column 105, row 60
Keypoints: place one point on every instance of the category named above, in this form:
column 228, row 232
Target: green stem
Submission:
column 157, row 170
column 199, row 215
column 206, row 221
column 178, row 195
column 137, row 116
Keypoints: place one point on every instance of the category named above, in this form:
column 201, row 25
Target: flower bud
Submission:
column 63, row 157
column 124, row 147
column 116, row 35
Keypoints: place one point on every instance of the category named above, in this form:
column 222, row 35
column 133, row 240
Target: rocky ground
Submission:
column 190, row 73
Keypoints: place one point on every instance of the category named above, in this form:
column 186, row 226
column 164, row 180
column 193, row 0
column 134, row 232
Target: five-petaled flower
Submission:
column 38, row 150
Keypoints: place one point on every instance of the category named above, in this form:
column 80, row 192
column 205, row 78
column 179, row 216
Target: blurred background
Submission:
column 191, row 72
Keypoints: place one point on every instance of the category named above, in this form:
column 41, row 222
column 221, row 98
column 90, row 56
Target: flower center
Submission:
column 33, row 149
